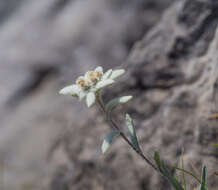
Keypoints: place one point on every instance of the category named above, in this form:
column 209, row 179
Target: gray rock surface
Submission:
column 53, row 142
column 172, row 74
column 45, row 45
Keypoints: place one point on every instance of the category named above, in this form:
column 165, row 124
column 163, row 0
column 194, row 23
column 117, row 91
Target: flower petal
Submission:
column 99, row 69
column 72, row 90
column 104, row 83
column 117, row 73
column 90, row 99
column 107, row 74
column 86, row 76
column 82, row 94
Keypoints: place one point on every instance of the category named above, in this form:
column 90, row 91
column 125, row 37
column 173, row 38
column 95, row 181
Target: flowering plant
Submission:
column 88, row 87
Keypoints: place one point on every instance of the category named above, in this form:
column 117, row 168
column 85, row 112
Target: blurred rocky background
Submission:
column 170, row 51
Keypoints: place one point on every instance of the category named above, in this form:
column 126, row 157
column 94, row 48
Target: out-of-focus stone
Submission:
column 44, row 46
column 177, row 59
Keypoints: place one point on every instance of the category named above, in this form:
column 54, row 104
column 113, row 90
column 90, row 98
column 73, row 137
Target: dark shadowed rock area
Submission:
column 51, row 142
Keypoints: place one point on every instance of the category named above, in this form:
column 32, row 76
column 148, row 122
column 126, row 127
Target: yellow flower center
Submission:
column 82, row 82
column 94, row 76
column 99, row 73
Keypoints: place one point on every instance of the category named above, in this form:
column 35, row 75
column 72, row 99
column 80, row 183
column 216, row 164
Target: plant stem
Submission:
column 113, row 125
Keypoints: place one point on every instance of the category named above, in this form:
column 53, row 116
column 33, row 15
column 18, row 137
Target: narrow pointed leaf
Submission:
column 203, row 178
column 130, row 126
column 108, row 140
column 114, row 102
column 157, row 160
column 174, row 182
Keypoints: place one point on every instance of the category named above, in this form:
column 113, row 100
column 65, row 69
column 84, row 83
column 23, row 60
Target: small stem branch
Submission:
column 113, row 125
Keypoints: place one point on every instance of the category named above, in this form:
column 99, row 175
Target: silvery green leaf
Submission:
column 157, row 160
column 130, row 126
column 99, row 69
column 72, row 90
column 107, row 74
column 203, row 178
column 108, row 140
column 117, row 73
column 104, row 83
column 114, row 102
column 90, row 99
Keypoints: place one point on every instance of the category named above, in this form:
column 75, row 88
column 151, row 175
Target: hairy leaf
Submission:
column 114, row 102
column 108, row 140
column 130, row 126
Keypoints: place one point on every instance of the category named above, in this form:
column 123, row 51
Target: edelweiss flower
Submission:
column 87, row 86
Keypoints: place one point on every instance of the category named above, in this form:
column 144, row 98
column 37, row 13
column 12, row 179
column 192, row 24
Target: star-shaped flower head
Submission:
column 87, row 86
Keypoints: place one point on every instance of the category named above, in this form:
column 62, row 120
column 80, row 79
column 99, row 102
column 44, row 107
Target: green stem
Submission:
column 113, row 124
